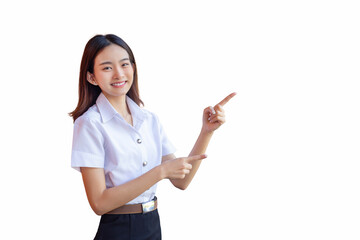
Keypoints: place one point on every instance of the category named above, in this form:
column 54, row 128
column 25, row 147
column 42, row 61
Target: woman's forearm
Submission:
column 118, row 196
column 103, row 200
column 201, row 143
column 200, row 147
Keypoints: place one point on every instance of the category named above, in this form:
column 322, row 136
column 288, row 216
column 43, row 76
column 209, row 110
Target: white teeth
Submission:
column 118, row 84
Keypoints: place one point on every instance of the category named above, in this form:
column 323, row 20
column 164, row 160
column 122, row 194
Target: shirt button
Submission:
column 139, row 141
column 144, row 163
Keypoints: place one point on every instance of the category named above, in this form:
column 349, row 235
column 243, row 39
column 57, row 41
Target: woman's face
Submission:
column 113, row 72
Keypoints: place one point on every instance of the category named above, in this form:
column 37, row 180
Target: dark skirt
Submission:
column 129, row 226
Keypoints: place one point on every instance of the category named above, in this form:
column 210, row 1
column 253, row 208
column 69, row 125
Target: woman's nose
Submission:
column 119, row 73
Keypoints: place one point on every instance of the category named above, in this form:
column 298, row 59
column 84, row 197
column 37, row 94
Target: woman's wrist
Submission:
column 161, row 171
column 205, row 132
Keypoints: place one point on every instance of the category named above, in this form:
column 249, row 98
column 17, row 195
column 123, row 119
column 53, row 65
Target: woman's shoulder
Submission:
column 153, row 118
column 150, row 114
column 92, row 115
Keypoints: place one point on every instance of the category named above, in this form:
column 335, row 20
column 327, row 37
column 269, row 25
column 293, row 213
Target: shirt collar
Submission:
column 107, row 111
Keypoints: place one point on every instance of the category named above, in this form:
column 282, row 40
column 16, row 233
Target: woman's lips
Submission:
column 118, row 84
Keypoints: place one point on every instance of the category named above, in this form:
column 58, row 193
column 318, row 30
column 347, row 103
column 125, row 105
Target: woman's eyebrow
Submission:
column 104, row 63
column 109, row 62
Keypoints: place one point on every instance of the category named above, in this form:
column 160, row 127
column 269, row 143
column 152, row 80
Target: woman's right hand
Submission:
column 178, row 168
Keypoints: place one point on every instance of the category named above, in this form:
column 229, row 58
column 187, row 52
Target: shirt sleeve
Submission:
column 88, row 145
column 166, row 144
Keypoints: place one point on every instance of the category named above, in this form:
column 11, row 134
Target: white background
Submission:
column 284, row 166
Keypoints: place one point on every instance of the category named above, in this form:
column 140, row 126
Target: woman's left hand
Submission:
column 214, row 117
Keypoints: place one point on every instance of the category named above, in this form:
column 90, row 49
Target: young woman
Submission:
column 121, row 149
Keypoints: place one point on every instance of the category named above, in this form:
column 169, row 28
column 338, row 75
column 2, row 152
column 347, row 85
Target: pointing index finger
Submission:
column 196, row 157
column 225, row 100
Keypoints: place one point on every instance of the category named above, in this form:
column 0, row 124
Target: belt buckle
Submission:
column 148, row 206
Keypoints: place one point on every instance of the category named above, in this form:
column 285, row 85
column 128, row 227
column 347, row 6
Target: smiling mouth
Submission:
column 118, row 84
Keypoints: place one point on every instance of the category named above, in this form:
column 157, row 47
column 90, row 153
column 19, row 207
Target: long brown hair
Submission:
column 88, row 93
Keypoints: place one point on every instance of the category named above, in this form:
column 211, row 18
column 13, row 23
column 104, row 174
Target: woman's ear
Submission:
column 91, row 79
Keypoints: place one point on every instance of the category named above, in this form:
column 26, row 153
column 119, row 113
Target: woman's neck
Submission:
column 120, row 105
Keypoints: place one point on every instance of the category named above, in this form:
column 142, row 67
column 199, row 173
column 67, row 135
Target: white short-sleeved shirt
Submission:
column 103, row 139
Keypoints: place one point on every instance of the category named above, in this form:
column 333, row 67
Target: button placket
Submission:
column 144, row 163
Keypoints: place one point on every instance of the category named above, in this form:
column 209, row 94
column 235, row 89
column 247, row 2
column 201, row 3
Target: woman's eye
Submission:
column 107, row 68
column 125, row 64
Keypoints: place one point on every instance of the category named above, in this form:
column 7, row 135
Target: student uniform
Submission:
column 103, row 139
